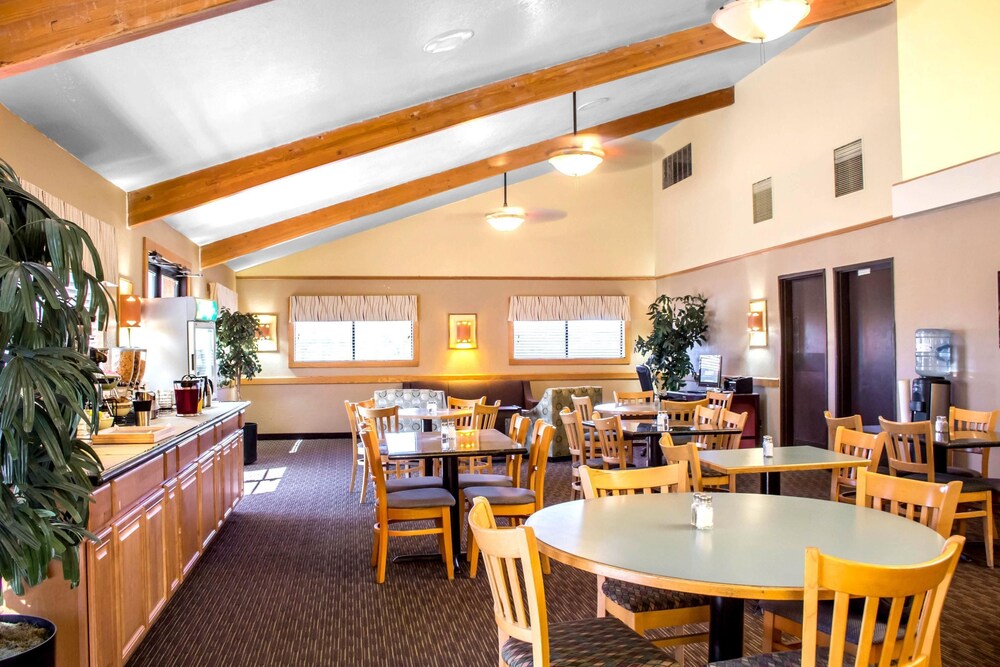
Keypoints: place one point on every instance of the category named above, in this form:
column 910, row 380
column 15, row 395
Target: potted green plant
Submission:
column 678, row 325
column 236, row 343
column 49, row 301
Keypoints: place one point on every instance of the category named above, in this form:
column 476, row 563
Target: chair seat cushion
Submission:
column 409, row 483
column 419, row 498
column 467, row 479
column 638, row 599
column 783, row 659
column 792, row 610
column 594, row 642
column 499, row 495
column 593, row 463
column 969, row 484
column 963, row 472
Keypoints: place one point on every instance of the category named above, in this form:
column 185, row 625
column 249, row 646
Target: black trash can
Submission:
column 249, row 443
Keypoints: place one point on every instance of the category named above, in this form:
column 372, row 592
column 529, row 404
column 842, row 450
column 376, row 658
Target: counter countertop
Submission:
column 119, row 459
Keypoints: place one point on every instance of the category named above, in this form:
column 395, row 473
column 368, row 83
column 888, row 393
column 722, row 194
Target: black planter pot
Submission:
column 43, row 655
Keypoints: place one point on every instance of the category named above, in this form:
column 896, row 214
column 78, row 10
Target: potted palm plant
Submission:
column 49, row 301
column 678, row 325
column 236, row 348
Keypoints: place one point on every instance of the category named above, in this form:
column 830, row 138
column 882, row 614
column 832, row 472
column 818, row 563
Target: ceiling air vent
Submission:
column 676, row 166
column 762, row 208
column 848, row 169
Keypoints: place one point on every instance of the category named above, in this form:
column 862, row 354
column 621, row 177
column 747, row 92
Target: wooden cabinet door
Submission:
column 102, row 601
column 189, row 513
column 130, row 561
column 226, row 476
column 239, row 467
column 208, row 490
column 172, row 535
column 157, row 583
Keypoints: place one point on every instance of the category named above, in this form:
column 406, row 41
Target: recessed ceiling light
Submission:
column 448, row 41
column 593, row 103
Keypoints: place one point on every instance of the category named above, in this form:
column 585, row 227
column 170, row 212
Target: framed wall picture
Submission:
column 267, row 332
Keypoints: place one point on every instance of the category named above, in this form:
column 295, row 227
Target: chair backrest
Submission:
column 645, row 378
column 709, row 416
column 583, row 405
column 352, row 414
column 370, row 439
column 853, row 422
column 518, row 432
column 719, row 399
column 734, row 420
column 574, row 435
column 686, row 453
column 614, row 446
column 520, row 616
column 381, row 420
column 854, row 443
column 465, row 421
column 634, row 397
column 597, row 483
column 682, row 412
column 907, row 447
column 928, row 503
column 485, row 416
column 538, row 458
column 972, row 420
column 917, row 594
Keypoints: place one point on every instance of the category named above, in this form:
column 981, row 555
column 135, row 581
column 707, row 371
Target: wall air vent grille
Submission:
column 676, row 166
column 762, row 202
column 848, row 169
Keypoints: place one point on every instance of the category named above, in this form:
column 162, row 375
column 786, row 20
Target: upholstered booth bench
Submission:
column 508, row 392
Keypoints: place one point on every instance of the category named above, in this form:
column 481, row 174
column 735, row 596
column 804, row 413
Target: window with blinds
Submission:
column 352, row 341
column 568, row 339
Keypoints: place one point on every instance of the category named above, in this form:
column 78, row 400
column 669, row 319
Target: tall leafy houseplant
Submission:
column 678, row 325
column 236, row 342
column 48, row 304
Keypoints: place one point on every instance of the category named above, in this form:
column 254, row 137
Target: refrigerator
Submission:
column 179, row 336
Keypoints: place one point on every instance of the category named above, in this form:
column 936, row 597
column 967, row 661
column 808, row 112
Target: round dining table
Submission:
column 755, row 550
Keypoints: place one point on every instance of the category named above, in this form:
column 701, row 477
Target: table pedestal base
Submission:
column 725, row 629
column 770, row 483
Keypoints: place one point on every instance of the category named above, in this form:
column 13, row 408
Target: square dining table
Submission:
column 409, row 445
column 785, row 459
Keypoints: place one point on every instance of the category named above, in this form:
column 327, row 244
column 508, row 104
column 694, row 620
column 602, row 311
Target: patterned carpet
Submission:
column 287, row 582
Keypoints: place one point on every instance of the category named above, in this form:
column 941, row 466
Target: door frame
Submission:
column 785, row 362
column 840, row 274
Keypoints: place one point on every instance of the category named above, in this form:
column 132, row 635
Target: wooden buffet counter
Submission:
column 155, row 509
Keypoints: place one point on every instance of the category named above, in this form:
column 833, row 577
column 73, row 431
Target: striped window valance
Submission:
column 103, row 235
column 375, row 308
column 225, row 297
column 537, row 308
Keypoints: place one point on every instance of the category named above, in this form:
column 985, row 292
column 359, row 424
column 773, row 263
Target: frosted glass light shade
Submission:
column 760, row 20
column 506, row 218
column 577, row 160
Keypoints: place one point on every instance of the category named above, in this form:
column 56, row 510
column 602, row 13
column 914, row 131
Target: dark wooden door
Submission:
column 803, row 358
column 866, row 341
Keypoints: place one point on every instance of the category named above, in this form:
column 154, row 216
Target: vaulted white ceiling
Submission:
column 213, row 91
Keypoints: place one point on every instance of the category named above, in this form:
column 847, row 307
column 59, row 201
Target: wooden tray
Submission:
column 132, row 435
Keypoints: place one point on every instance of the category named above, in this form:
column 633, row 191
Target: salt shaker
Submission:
column 768, row 446
column 941, row 424
column 701, row 511
column 662, row 418
column 432, row 407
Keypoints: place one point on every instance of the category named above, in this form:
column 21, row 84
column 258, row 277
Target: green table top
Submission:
column 785, row 459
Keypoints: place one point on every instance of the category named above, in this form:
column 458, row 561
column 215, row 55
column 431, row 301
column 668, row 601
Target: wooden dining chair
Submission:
column 900, row 611
column 719, row 399
column 732, row 420
column 516, row 503
column 909, row 448
column 464, row 404
column 382, row 421
column 844, row 481
column 615, row 448
column 706, row 415
column 356, row 444
column 644, row 608
column 686, row 453
column 483, row 417
column 585, row 408
column 928, row 503
column 429, row 504
column 960, row 419
column 852, row 422
column 681, row 413
column 524, row 636
column 634, row 397
column 579, row 449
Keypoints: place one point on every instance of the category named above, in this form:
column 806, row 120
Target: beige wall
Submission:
column 603, row 222
column 949, row 82
column 837, row 85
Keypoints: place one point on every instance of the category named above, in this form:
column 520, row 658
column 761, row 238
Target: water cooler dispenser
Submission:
column 930, row 394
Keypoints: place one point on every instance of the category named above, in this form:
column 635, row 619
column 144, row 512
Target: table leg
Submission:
column 940, row 459
column 654, row 455
column 725, row 629
column 449, row 473
column 770, row 483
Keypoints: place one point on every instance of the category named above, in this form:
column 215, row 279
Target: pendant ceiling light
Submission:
column 506, row 218
column 579, row 159
column 760, row 20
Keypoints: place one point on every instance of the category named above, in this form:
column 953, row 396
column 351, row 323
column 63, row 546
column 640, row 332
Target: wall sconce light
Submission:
column 462, row 332
column 757, row 323
column 129, row 315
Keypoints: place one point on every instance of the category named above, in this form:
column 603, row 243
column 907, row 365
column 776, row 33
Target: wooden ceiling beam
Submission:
column 206, row 185
column 35, row 33
column 230, row 248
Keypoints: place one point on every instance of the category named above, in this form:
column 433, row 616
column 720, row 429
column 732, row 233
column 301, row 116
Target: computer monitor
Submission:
column 710, row 370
